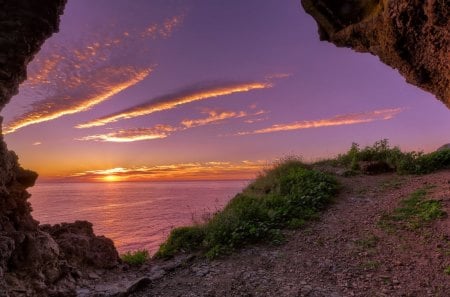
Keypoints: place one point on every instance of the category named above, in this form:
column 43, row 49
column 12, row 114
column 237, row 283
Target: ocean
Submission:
column 135, row 215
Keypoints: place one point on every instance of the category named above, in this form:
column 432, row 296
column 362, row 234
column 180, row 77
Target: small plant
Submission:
column 368, row 242
column 370, row 265
column 415, row 212
column 138, row 257
column 447, row 270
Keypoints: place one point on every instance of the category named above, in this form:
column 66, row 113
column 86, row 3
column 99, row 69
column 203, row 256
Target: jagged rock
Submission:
column 32, row 262
column 411, row 36
column 81, row 247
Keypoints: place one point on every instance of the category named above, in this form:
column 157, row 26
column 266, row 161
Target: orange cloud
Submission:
column 174, row 100
column 213, row 116
column 131, row 135
column 163, row 131
column 69, row 78
column 165, row 29
column 103, row 84
column 184, row 171
column 339, row 120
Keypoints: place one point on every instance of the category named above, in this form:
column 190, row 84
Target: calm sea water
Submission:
column 135, row 215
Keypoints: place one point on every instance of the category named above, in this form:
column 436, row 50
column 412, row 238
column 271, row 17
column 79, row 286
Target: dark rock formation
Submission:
column 411, row 36
column 80, row 247
column 32, row 263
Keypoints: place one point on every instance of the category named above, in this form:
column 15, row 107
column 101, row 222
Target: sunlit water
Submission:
column 134, row 215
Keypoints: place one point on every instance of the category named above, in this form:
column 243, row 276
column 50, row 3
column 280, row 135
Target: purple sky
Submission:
column 204, row 89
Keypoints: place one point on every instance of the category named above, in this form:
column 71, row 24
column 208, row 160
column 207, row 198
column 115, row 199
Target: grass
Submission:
column 285, row 196
column 138, row 257
column 447, row 270
column 386, row 158
column 414, row 213
column 369, row 242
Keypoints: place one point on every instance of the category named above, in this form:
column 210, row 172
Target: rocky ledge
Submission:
column 411, row 36
column 34, row 260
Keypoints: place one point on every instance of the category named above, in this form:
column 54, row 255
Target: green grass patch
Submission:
column 393, row 159
column 369, row 242
column 285, row 196
column 447, row 270
column 415, row 212
column 135, row 258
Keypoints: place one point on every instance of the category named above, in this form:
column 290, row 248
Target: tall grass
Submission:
column 287, row 195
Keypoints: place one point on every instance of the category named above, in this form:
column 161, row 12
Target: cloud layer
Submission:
column 163, row 131
column 174, row 100
column 104, row 83
column 183, row 171
column 339, row 120
column 68, row 77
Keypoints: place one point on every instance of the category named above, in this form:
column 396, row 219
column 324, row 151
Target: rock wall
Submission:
column 32, row 262
column 410, row 35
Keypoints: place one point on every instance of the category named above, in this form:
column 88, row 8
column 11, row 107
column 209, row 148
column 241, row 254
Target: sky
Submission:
column 199, row 89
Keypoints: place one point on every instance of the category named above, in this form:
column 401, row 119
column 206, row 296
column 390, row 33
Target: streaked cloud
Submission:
column 163, row 131
column 131, row 135
column 174, row 100
column 102, row 85
column 213, row 170
column 339, row 120
column 68, row 77
column 214, row 116
column 37, row 143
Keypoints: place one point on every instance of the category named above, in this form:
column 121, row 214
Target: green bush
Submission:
column 135, row 258
column 287, row 195
column 182, row 239
column 401, row 162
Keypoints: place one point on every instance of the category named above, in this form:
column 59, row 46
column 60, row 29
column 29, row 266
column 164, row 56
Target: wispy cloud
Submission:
column 183, row 171
column 37, row 143
column 174, row 100
column 339, row 120
column 131, row 135
column 214, row 116
column 163, row 131
column 103, row 84
column 165, row 29
column 67, row 77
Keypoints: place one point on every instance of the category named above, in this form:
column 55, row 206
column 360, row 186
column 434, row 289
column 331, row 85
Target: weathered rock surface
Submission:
column 80, row 246
column 411, row 36
column 32, row 262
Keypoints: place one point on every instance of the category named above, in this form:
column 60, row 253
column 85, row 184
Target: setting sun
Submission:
column 111, row 178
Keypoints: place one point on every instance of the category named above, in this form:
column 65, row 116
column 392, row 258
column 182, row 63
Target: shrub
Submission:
column 287, row 195
column 394, row 158
column 182, row 239
column 135, row 258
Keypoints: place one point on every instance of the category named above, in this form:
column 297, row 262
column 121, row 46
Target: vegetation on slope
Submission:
column 287, row 195
column 291, row 193
column 135, row 258
column 394, row 159
column 415, row 212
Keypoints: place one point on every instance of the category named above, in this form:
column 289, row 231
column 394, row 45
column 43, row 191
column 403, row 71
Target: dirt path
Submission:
column 346, row 253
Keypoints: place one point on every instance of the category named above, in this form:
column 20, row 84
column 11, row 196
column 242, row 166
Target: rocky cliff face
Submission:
column 412, row 36
column 32, row 262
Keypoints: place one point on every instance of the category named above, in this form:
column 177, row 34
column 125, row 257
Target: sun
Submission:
column 111, row 178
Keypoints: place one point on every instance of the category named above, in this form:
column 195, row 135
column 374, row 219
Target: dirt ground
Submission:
column 346, row 253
